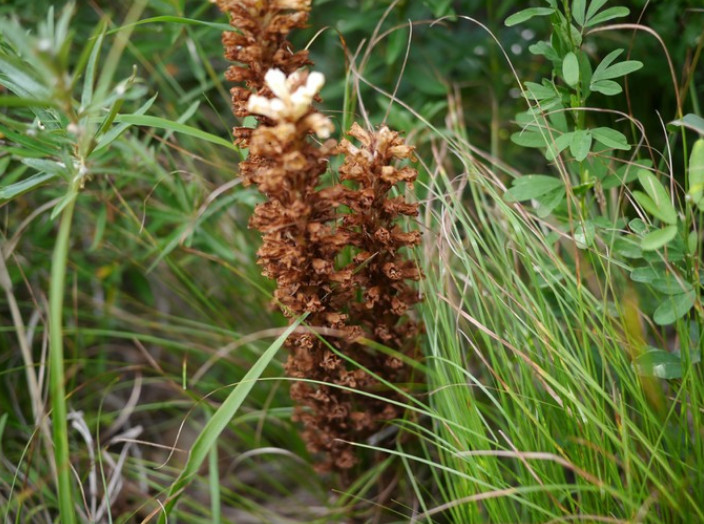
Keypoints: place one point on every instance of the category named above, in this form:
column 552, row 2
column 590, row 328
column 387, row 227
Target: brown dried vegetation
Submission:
column 334, row 252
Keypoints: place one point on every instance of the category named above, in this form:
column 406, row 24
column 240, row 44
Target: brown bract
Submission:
column 338, row 252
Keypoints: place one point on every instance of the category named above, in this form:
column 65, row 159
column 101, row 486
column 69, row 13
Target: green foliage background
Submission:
column 164, row 310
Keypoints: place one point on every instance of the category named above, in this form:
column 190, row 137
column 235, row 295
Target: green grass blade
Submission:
column 219, row 421
column 214, row 485
column 168, row 19
column 163, row 123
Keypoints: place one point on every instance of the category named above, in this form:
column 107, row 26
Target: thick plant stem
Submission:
column 56, row 365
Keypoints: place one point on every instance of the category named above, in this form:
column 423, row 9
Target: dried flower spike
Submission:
column 306, row 228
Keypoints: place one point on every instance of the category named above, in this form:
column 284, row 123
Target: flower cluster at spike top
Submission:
column 335, row 252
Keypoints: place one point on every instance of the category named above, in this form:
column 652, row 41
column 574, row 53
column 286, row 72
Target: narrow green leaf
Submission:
column 658, row 238
column 210, row 433
column 606, row 87
column 690, row 121
column 557, row 117
column 673, row 308
column 41, row 164
column 578, row 11
column 67, row 199
column 585, row 74
column 606, row 15
column 692, row 242
column 611, row 138
column 16, row 101
column 29, row 183
column 665, row 211
column 605, row 63
column 89, row 77
column 594, row 7
column 4, row 162
column 695, row 179
column 618, row 70
column 163, row 123
column 527, row 14
column 3, row 421
column 18, row 79
column 114, row 132
column 570, row 69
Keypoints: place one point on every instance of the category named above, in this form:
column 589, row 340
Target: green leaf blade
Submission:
column 673, row 308
column 658, row 238
column 570, row 69
column 606, row 87
column 579, row 11
column 581, row 144
column 527, row 14
column 662, row 207
column 696, row 172
column 529, row 187
column 659, row 364
column 163, row 123
column 690, row 121
column 29, row 183
column 607, row 14
column 611, row 138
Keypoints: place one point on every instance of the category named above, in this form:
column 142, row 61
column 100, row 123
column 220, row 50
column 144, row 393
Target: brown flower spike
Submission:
column 335, row 252
column 259, row 44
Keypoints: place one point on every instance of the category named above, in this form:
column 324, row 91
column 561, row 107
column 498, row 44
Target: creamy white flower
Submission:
column 320, row 124
column 293, row 4
column 261, row 105
column 276, row 80
column 291, row 106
